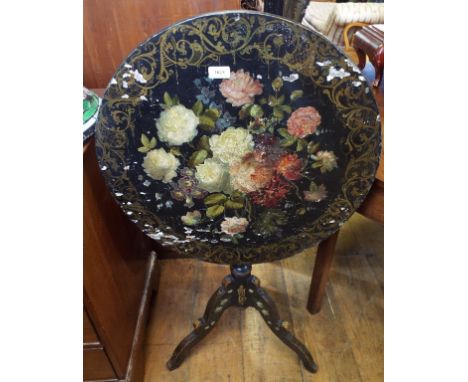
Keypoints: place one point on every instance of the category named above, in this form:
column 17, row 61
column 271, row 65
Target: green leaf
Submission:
column 215, row 199
column 284, row 132
column 175, row 151
column 237, row 196
column 278, row 113
column 144, row 140
column 234, row 239
column 197, row 158
column 197, row 107
column 206, row 123
column 214, row 211
column 143, row 149
column 244, row 111
column 288, row 142
column 153, row 142
column 204, row 143
column 301, row 144
column 263, row 101
column 256, row 111
column 313, row 186
column 233, row 205
column 167, row 99
column 317, row 164
column 286, row 108
column 296, row 94
column 175, row 100
column 312, row 147
column 272, row 101
column 277, row 83
column 212, row 114
column 281, row 100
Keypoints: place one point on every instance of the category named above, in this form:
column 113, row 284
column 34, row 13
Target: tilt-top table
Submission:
column 238, row 138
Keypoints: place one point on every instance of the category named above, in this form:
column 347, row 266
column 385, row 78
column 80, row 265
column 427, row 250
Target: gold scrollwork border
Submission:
column 200, row 42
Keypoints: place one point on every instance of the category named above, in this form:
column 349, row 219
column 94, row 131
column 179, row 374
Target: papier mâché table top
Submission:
column 238, row 137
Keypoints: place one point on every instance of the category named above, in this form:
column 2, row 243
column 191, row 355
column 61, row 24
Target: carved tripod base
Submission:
column 241, row 289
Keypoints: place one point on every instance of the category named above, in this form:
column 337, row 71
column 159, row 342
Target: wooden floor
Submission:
column 345, row 338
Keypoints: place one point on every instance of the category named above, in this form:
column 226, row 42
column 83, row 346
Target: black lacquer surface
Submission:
column 251, row 167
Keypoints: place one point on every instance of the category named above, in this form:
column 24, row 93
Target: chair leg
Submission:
column 323, row 262
column 361, row 57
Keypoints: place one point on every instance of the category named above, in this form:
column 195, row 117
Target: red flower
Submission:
column 304, row 121
column 272, row 194
column 290, row 166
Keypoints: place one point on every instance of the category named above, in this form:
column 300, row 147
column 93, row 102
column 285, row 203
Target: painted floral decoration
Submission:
column 248, row 165
column 251, row 174
column 234, row 225
column 241, row 88
column 231, row 145
column 161, row 165
column 177, row 125
column 303, row 122
column 289, row 166
column 187, row 188
column 212, row 175
column 191, row 218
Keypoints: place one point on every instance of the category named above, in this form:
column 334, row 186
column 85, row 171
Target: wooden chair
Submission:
column 373, row 208
column 347, row 33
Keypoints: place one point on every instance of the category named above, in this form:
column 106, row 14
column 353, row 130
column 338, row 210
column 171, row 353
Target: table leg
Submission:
column 261, row 301
column 241, row 289
column 214, row 309
column 323, row 262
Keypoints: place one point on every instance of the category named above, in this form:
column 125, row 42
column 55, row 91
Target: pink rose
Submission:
column 234, row 225
column 240, row 88
column 304, row 121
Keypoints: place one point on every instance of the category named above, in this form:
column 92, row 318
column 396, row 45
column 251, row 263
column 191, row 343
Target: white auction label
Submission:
column 219, row 72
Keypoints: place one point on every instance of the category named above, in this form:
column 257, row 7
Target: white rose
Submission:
column 177, row 125
column 231, row 145
column 212, row 175
column 161, row 165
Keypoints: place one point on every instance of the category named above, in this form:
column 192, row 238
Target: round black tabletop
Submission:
column 238, row 137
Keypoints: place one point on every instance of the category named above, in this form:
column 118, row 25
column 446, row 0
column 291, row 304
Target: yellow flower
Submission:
column 191, row 218
column 212, row 175
column 177, row 125
column 327, row 160
column 161, row 165
column 231, row 145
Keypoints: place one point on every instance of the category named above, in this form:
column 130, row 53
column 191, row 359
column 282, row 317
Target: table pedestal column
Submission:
column 241, row 289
